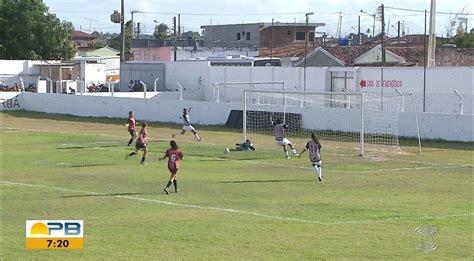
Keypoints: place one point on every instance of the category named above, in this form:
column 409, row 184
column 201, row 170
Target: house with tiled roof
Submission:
column 320, row 56
column 365, row 55
column 82, row 40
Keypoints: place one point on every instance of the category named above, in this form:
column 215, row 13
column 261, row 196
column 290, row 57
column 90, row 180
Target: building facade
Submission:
column 259, row 34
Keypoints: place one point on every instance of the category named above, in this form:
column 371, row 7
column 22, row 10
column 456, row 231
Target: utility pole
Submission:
column 358, row 30
column 179, row 26
column 398, row 38
column 122, row 31
column 424, row 65
column 383, row 51
column 271, row 44
column 174, row 34
column 305, row 49
column 432, row 35
column 90, row 23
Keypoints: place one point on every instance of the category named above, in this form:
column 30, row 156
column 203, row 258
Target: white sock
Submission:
column 286, row 153
column 319, row 170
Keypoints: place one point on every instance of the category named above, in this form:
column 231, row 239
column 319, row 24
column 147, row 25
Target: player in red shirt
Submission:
column 314, row 148
column 174, row 156
column 141, row 143
column 132, row 125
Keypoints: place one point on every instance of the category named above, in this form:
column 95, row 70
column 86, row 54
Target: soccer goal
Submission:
column 357, row 122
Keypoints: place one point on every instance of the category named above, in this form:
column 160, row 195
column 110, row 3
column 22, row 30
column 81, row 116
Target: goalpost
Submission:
column 346, row 121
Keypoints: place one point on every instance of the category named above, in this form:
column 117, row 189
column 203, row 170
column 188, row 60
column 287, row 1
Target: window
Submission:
column 300, row 36
column 248, row 36
column 238, row 36
column 289, row 32
column 311, row 37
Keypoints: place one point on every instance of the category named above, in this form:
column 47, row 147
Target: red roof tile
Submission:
column 79, row 34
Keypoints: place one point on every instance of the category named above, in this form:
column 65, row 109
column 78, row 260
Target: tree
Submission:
column 191, row 35
column 128, row 38
column 162, row 32
column 465, row 40
column 29, row 32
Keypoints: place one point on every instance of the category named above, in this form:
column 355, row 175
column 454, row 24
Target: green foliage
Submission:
column 191, row 35
column 162, row 32
column 128, row 38
column 465, row 40
column 29, row 31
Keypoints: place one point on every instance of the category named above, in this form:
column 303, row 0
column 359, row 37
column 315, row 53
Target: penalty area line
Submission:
column 229, row 210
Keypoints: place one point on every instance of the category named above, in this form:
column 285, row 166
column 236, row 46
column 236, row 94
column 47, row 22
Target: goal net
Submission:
column 355, row 123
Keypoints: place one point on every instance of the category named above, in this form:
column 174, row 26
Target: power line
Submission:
column 422, row 11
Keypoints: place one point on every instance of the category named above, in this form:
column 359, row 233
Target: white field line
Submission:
column 434, row 165
column 229, row 210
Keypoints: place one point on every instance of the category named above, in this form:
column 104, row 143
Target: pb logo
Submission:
column 54, row 234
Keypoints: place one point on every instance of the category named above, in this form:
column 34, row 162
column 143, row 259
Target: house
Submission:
column 413, row 56
column 320, row 56
column 364, row 55
column 83, row 40
column 108, row 56
column 259, row 34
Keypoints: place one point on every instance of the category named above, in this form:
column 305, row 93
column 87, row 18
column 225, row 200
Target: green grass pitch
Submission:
column 237, row 206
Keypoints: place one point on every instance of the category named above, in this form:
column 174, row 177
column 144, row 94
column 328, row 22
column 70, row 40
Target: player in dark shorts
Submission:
column 174, row 155
column 141, row 143
column 132, row 125
column 314, row 148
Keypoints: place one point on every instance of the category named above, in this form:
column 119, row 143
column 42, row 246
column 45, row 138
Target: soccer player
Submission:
column 187, row 124
column 141, row 143
column 246, row 146
column 314, row 148
column 280, row 138
column 174, row 156
column 132, row 125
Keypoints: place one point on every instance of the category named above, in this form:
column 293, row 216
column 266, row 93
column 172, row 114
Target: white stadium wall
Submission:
column 440, row 121
column 432, row 126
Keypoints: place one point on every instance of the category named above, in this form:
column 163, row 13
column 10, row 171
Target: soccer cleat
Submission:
column 297, row 154
column 176, row 190
column 143, row 163
column 288, row 157
column 320, row 179
column 166, row 191
column 127, row 156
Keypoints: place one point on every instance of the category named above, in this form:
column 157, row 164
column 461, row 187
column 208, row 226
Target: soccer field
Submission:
column 242, row 205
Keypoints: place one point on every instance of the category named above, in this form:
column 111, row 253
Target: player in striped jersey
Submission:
column 187, row 125
column 280, row 137
column 141, row 143
column 174, row 155
column 132, row 125
column 314, row 148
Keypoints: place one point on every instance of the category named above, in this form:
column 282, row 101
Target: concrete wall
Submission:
column 440, row 82
column 432, row 126
column 11, row 71
column 185, row 53
column 147, row 72
column 226, row 35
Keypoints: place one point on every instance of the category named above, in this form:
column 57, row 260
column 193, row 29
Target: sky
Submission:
column 94, row 15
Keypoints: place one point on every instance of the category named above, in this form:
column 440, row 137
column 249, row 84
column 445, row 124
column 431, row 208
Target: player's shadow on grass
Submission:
column 264, row 181
column 88, row 165
column 213, row 157
column 108, row 195
column 88, row 147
